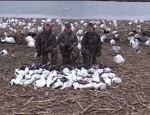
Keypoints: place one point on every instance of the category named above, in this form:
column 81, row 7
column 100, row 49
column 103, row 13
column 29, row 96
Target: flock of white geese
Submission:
column 78, row 77
column 94, row 76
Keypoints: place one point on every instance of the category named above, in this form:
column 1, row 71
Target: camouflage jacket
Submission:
column 91, row 42
column 45, row 42
column 70, row 39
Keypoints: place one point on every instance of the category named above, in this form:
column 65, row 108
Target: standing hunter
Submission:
column 46, row 43
column 68, row 41
column 91, row 45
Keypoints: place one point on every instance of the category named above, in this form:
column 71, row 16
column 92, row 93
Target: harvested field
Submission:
column 129, row 98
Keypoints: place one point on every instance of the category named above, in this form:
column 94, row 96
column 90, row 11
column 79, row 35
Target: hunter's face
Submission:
column 68, row 29
column 47, row 27
column 90, row 29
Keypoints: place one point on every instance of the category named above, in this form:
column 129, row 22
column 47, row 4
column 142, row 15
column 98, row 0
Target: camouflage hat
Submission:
column 90, row 25
column 48, row 23
column 67, row 25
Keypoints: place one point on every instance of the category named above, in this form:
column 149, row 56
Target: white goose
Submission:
column 16, row 81
column 79, row 46
column 76, row 23
column 76, row 85
column 66, row 71
column 116, row 80
column 31, row 44
column 67, row 84
column 119, row 59
column 58, row 84
column 147, row 42
column 80, row 38
column 82, row 21
column 79, row 32
column 112, row 42
column 4, row 52
column 87, row 86
column 84, row 72
column 106, row 78
column 100, row 86
column 103, row 37
column 29, row 39
column 41, row 82
column 116, row 36
column 103, row 26
column 114, row 32
column 10, row 40
column 115, row 49
column 95, row 77
column 33, row 78
column 48, row 20
column 52, row 77
column 135, row 45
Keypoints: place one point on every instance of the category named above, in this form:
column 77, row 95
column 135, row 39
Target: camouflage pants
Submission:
column 54, row 55
column 89, row 59
column 69, row 56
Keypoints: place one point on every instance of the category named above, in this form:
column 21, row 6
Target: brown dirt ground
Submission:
column 132, row 97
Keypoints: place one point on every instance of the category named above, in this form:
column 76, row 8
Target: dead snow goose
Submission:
column 95, row 77
column 103, row 37
column 4, row 52
column 107, row 69
column 16, row 81
column 82, row 21
column 119, row 59
column 80, row 38
column 112, row 41
column 115, row 49
column 58, row 84
column 29, row 39
column 87, row 86
column 40, row 29
column 51, row 80
column 100, row 86
column 130, row 23
column 66, row 71
column 31, row 44
column 76, row 24
column 76, row 85
column 135, row 21
column 10, row 40
column 79, row 32
column 114, row 32
column 33, row 78
column 85, row 25
column 41, row 82
column 116, row 36
column 134, row 43
column 136, row 36
column 141, row 21
column 48, row 20
column 106, row 79
column 100, row 71
column 147, row 42
column 103, row 26
column 116, row 80
column 67, row 84
column 79, row 46
column 84, row 72
column 2, row 39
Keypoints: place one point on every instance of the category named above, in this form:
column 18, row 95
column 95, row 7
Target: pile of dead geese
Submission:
column 77, row 77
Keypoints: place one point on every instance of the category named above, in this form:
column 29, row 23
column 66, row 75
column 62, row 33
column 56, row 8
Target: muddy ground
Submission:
column 132, row 97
